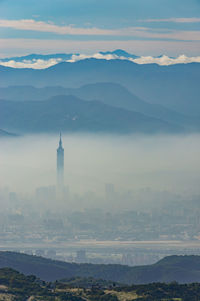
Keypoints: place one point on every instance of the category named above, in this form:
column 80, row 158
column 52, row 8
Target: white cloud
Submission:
column 140, row 32
column 166, row 61
column 174, row 20
column 42, row 64
column 162, row 61
column 62, row 30
column 33, row 64
column 100, row 56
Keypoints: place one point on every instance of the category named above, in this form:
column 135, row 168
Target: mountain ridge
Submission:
column 112, row 94
column 175, row 87
column 69, row 113
column 64, row 56
column 183, row 269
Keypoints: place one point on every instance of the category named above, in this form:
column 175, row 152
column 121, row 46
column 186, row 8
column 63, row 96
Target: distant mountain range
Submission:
column 65, row 56
column 175, row 87
column 62, row 56
column 110, row 94
column 71, row 114
column 101, row 96
column 183, row 269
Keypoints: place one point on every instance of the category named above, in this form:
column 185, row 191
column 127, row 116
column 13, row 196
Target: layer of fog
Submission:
column 159, row 164
column 163, row 60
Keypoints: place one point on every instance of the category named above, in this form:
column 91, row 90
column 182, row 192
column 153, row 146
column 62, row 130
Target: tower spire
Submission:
column 60, row 169
column 60, row 142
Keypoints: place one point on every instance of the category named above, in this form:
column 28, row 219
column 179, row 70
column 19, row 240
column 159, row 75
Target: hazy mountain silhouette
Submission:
column 176, row 87
column 118, row 96
column 109, row 93
column 69, row 113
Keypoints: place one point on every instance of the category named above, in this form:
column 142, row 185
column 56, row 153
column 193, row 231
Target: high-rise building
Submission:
column 81, row 256
column 109, row 191
column 45, row 193
column 60, row 169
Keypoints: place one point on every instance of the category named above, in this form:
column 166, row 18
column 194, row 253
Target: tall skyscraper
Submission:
column 60, row 169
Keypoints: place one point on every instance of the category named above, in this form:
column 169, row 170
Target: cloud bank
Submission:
column 174, row 20
column 167, row 61
column 33, row 64
column 42, row 63
column 30, row 24
column 137, row 32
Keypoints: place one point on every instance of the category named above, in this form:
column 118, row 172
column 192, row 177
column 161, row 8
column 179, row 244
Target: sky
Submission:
column 143, row 27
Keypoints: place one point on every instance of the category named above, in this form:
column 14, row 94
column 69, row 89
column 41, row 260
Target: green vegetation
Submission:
column 78, row 282
column 15, row 286
column 165, row 292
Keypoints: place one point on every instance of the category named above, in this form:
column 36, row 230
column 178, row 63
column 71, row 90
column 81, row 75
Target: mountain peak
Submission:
column 119, row 52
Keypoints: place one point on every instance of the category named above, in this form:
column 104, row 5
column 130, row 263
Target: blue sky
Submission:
column 140, row 26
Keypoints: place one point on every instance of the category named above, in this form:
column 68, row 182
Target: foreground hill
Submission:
column 15, row 286
column 176, row 87
column 183, row 269
column 71, row 114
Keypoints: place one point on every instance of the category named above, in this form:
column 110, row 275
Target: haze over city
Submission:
column 130, row 162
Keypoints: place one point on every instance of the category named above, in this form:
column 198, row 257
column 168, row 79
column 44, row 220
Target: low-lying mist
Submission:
column 133, row 164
